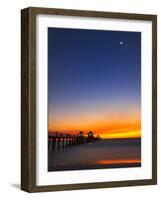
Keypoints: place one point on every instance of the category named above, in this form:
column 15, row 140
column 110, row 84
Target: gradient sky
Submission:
column 94, row 82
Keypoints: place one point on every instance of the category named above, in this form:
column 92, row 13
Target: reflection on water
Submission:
column 100, row 154
column 123, row 161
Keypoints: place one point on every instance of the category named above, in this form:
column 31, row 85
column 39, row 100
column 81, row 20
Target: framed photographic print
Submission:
column 89, row 99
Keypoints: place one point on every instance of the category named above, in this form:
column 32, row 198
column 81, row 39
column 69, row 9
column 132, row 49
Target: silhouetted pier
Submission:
column 57, row 140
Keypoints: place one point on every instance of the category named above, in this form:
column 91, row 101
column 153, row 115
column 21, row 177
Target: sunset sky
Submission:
column 94, row 82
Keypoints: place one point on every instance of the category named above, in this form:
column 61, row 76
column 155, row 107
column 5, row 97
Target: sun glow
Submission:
column 121, row 123
column 109, row 130
column 129, row 134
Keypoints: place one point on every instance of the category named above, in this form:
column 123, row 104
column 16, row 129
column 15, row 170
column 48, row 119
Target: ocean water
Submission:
column 104, row 153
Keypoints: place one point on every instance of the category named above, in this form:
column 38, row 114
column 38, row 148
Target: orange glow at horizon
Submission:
column 106, row 129
column 130, row 134
column 108, row 133
column 109, row 123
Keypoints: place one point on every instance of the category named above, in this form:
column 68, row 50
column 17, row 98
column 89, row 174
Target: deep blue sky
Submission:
column 87, row 68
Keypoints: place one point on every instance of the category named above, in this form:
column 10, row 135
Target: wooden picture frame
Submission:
column 28, row 98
